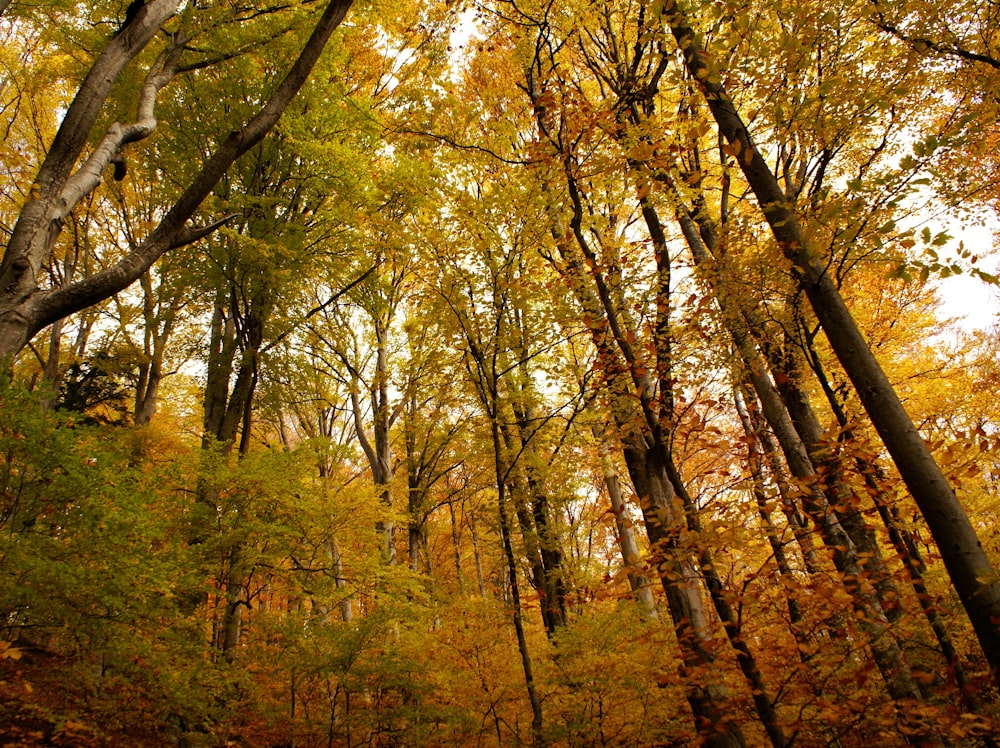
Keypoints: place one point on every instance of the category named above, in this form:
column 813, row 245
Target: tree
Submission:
column 495, row 277
column 970, row 569
column 59, row 185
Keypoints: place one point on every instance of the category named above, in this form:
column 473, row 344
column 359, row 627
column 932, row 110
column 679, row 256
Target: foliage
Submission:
column 370, row 463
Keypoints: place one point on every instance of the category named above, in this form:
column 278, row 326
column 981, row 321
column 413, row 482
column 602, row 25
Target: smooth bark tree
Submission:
column 969, row 568
column 635, row 410
column 638, row 578
column 60, row 184
column 482, row 323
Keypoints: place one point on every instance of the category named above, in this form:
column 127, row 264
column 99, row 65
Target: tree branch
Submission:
column 922, row 44
column 32, row 234
column 88, row 176
column 60, row 303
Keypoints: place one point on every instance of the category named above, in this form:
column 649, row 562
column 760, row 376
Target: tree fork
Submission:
column 24, row 308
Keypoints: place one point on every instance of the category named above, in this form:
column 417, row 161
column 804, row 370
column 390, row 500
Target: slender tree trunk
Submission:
column 555, row 592
column 866, row 602
column 539, row 522
column 969, row 568
column 755, row 464
column 228, row 413
column 631, row 391
column 664, row 354
column 517, row 491
column 52, row 372
column 663, row 518
column 233, row 610
column 456, row 544
column 474, row 532
column 158, row 327
column 508, row 548
column 902, row 543
column 829, row 465
column 378, row 450
column 414, row 496
column 487, row 383
column 632, row 561
column 337, row 562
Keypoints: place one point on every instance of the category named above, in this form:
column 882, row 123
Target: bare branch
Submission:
column 923, row 43
column 462, row 146
column 192, row 234
column 118, row 135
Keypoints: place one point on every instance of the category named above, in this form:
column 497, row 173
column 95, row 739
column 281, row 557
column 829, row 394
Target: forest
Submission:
column 547, row 373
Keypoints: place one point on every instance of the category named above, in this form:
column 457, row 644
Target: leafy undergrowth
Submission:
column 37, row 707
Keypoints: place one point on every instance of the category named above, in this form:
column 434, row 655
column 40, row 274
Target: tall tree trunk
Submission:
column 158, row 325
column 517, row 490
column 228, row 413
column 633, row 410
column 663, row 343
column 487, row 383
column 337, row 563
column 331, row 546
column 755, row 465
column 867, row 605
column 552, row 584
column 474, row 532
column 414, row 495
column 627, row 545
column 508, row 548
column 456, row 545
column 830, row 466
column 902, row 542
column 378, row 449
column 663, row 520
column 969, row 568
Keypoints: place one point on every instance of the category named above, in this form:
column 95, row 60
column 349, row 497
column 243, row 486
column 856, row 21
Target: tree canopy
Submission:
column 548, row 373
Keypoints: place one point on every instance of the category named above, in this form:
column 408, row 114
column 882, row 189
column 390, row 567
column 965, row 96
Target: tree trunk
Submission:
column 508, row 548
column 631, row 560
column 755, row 466
column 333, row 553
column 663, row 519
column 487, row 383
column 456, row 545
column 378, row 449
column 902, row 543
column 663, row 343
column 158, row 325
column 839, row 494
column 24, row 308
column 541, row 547
column 969, row 568
column 480, row 577
column 867, row 605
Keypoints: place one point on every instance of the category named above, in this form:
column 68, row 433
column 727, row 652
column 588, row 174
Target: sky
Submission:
column 972, row 303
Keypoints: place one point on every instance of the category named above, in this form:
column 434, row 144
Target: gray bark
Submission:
column 870, row 613
column 969, row 568
column 159, row 324
column 637, row 578
column 336, row 560
column 635, row 416
column 24, row 308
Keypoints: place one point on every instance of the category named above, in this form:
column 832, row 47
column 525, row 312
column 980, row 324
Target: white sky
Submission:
column 971, row 302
